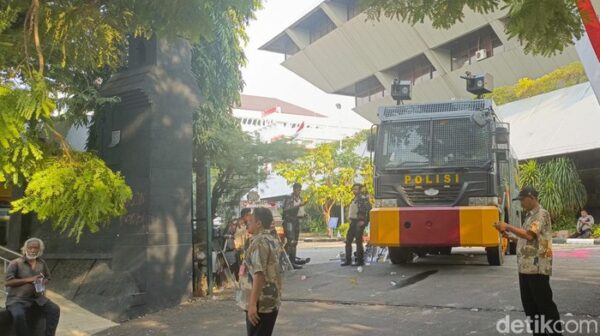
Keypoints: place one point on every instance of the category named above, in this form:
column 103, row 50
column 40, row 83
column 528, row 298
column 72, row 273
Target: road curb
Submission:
column 321, row 240
column 576, row 241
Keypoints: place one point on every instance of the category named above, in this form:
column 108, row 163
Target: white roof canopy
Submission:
column 558, row 122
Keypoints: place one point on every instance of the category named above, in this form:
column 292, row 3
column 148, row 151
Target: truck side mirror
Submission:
column 502, row 136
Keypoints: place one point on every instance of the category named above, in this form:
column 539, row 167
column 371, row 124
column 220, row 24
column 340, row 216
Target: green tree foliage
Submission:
column 565, row 76
column 560, row 188
column 328, row 172
column 67, row 184
column 53, row 57
column 243, row 165
column 544, row 27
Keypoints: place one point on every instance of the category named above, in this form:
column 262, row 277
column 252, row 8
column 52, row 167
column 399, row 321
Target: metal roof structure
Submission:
column 559, row 122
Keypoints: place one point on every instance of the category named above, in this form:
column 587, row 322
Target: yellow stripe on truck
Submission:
column 385, row 227
column 476, row 226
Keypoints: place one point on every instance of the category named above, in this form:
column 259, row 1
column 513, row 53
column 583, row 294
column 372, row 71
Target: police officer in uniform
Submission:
column 358, row 213
column 534, row 259
column 293, row 212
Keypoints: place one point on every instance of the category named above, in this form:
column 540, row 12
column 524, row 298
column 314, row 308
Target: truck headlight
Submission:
column 483, row 201
column 386, row 203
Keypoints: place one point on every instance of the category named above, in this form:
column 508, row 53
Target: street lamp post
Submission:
column 339, row 107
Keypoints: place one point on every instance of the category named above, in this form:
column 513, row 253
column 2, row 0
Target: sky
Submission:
column 265, row 76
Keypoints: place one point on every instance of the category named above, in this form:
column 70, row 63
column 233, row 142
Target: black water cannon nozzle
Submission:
column 401, row 90
column 479, row 84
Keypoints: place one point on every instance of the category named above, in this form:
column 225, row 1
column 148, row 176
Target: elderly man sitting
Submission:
column 26, row 279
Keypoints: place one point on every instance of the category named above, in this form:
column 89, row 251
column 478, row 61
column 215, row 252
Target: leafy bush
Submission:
column 315, row 225
column 343, row 229
column 565, row 76
column 564, row 223
column 596, row 232
column 560, row 188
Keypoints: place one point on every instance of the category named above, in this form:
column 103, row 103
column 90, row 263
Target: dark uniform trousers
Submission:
column 536, row 296
column 291, row 228
column 355, row 232
column 265, row 325
column 50, row 310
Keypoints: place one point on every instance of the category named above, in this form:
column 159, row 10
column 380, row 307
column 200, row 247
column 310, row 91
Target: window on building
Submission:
column 317, row 25
column 368, row 90
column 290, row 48
column 474, row 47
column 416, row 70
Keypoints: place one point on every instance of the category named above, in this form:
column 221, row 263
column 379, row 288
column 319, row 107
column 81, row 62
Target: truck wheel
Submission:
column 400, row 255
column 512, row 248
column 495, row 255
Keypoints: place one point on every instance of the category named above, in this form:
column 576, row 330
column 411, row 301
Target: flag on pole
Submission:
column 591, row 23
column 300, row 128
column 271, row 110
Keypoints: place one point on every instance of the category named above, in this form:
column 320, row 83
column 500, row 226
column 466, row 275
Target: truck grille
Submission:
column 416, row 195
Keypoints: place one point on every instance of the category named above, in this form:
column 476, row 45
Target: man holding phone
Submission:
column 534, row 259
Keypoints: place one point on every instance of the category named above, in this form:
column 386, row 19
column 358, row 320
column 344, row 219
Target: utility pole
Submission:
column 339, row 107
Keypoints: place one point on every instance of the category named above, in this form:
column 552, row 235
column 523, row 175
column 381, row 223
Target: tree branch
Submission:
column 36, row 35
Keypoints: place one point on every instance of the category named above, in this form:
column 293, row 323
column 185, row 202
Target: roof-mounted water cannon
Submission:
column 479, row 84
column 401, row 90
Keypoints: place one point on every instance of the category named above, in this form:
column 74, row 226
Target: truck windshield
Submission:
column 433, row 143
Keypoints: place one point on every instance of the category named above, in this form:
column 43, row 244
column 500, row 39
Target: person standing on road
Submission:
column 534, row 259
column 358, row 213
column 260, row 277
column 293, row 212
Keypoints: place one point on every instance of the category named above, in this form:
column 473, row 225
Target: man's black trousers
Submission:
column 50, row 310
column 291, row 228
column 536, row 296
column 265, row 325
column 355, row 232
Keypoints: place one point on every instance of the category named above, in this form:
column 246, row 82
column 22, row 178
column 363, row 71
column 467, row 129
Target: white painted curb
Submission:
column 581, row 241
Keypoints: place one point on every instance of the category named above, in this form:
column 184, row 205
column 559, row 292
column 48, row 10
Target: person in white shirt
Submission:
column 584, row 225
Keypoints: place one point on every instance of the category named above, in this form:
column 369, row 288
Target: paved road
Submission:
column 443, row 295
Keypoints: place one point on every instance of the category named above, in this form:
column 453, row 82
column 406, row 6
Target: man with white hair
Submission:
column 26, row 280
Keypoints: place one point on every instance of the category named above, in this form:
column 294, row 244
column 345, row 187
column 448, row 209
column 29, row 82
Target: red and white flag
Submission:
column 300, row 128
column 271, row 110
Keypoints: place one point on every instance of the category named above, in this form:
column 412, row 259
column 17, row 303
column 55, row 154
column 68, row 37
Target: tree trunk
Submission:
column 326, row 209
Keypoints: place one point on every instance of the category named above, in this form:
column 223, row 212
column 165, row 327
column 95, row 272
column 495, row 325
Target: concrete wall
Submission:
column 142, row 261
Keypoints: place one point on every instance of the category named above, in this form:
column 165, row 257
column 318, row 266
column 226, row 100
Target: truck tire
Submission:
column 495, row 255
column 400, row 255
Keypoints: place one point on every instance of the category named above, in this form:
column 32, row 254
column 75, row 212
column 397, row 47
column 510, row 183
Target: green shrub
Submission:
column 315, row 225
column 560, row 188
column 343, row 229
column 596, row 232
column 564, row 223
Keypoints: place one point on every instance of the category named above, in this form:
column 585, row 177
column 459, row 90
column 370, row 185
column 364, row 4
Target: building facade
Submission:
column 335, row 48
column 271, row 119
